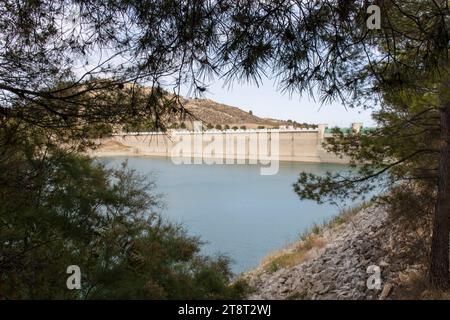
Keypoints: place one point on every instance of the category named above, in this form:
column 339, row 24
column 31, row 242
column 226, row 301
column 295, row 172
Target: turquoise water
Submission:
column 233, row 208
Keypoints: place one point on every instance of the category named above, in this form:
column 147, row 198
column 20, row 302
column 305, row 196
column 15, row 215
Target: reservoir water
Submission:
column 233, row 208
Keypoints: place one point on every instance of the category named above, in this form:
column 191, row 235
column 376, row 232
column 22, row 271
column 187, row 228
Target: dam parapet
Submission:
column 292, row 144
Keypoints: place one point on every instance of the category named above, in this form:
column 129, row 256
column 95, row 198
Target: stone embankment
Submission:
column 336, row 267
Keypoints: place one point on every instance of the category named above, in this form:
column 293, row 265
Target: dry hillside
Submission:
column 211, row 112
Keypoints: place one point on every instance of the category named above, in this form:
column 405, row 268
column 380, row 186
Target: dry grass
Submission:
column 310, row 242
column 293, row 256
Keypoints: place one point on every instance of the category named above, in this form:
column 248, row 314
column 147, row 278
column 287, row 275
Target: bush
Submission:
column 75, row 211
column 98, row 130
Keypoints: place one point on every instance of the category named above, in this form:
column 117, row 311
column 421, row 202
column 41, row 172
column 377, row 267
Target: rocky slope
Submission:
column 214, row 113
column 337, row 269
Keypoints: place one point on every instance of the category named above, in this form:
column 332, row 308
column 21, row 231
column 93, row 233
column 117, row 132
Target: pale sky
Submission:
column 265, row 101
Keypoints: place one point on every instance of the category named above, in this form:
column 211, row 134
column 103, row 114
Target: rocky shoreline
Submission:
column 338, row 269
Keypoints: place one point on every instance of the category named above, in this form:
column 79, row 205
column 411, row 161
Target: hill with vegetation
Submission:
column 214, row 113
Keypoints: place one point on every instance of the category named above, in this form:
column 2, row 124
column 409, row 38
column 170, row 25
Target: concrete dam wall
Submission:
column 229, row 146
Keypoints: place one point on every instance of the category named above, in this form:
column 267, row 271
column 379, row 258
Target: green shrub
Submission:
column 75, row 211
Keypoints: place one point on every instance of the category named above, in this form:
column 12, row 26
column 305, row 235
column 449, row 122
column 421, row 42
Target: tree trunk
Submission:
column 438, row 271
